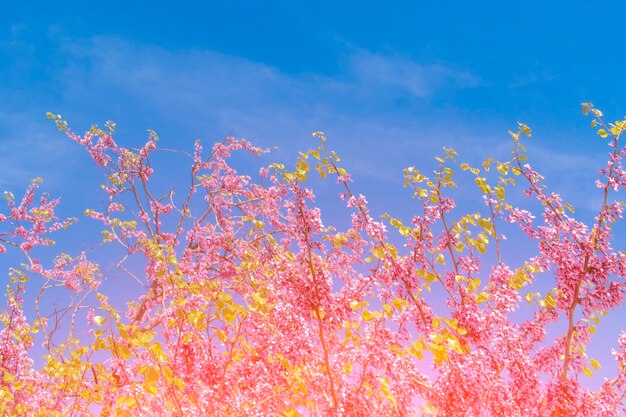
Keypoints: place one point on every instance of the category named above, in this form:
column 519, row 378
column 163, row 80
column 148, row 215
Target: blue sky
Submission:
column 390, row 83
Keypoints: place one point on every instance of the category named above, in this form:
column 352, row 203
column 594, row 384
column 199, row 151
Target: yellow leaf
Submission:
column 347, row 367
column 428, row 276
column 151, row 373
column 518, row 279
column 474, row 283
column 384, row 385
column 486, row 165
column 439, row 353
column 482, row 297
column 378, row 252
column 258, row 298
column 124, row 351
column 130, row 402
column 99, row 320
column 302, row 166
column 158, row 351
column 367, row 316
column 292, row 412
column 602, row 133
column 529, row 297
column 515, row 136
column 229, row 314
column 221, row 335
column 500, row 192
column 550, row 301
column 399, row 303
column 151, row 387
column 480, row 246
column 595, row 364
column 453, row 342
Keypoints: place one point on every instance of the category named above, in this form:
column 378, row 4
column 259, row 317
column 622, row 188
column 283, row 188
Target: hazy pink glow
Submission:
column 255, row 308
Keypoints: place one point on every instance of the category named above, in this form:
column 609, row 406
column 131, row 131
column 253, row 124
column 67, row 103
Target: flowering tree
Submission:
column 254, row 307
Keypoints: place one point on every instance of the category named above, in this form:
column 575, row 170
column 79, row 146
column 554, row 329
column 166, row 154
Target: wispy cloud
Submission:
column 201, row 80
column 376, row 72
column 377, row 109
column 199, row 88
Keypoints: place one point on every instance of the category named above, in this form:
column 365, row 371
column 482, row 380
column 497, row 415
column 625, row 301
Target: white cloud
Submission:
column 200, row 82
column 376, row 72
column 191, row 93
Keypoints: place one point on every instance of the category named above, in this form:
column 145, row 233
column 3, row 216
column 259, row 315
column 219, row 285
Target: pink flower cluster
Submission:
column 254, row 305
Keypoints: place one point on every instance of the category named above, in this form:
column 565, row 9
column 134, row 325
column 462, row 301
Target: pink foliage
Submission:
column 254, row 306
